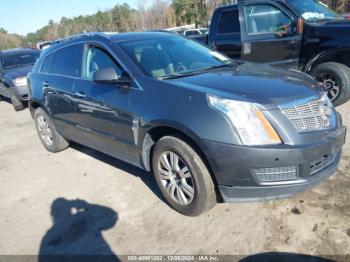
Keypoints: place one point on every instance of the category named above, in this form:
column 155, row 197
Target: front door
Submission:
column 270, row 35
column 103, row 108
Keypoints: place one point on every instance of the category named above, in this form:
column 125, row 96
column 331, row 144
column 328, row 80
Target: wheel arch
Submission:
column 35, row 104
column 157, row 132
column 333, row 55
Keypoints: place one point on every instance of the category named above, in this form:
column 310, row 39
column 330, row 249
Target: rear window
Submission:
column 229, row 23
column 67, row 61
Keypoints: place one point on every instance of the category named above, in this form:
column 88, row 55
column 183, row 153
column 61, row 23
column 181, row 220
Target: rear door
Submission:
column 227, row 33
column 103, row 108
column 58, row 74
column 269, row 34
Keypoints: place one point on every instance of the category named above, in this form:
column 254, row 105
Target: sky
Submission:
column 26, row 16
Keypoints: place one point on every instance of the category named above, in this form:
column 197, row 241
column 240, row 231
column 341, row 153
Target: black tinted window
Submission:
column 229, row 23
column 47, row 64
column 68, row 61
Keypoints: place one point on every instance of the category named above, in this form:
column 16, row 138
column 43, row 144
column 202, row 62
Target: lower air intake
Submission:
column 276, row 174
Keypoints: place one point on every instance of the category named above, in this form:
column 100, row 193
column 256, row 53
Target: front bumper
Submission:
column 21, row 92
column 233, row 167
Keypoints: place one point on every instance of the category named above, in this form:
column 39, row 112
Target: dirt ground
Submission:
column 125, row 214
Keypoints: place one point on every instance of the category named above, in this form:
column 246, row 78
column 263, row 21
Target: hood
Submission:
column 16, row 72
column 328, row 31
column 254, row 83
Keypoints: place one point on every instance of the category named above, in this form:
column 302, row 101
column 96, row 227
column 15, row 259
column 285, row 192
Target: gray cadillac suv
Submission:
column 210, row 129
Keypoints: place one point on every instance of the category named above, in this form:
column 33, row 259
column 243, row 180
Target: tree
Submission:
column 190, row 11
column 2, row 30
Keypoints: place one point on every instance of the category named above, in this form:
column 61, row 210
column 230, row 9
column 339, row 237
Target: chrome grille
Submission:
column 313, row 115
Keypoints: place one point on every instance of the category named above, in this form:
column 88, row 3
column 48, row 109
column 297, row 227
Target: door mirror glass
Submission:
column 105, row 75
column 110, row 76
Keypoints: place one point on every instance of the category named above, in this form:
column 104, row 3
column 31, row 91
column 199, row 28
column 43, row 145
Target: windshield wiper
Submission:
column 201, row 71
column 19, row 65
column 174, row 76
column 219, row 66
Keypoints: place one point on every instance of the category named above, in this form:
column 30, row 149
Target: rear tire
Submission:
column 48, row 135
column 182, row 177
column 335, row 78
column 17, row 105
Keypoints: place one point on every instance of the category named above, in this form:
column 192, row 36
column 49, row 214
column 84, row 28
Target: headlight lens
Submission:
column 250, row 123
column 21, row 81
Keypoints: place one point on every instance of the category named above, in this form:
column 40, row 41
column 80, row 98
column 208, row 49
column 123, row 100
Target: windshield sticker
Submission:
column 219, row 56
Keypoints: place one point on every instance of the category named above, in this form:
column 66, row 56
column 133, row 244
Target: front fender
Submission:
column 340, row 55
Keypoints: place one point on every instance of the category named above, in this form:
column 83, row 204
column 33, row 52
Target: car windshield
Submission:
column 203, row 31
column 313, row 10
column 173, row 56
column 18, row 60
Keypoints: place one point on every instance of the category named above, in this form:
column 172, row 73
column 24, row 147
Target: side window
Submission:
column 264, row 19
column 67, row 61
column 96, row 59
column 47, row 64
column 229, row 23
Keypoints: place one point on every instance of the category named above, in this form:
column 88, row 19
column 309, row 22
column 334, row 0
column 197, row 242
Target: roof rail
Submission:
column 73, row 37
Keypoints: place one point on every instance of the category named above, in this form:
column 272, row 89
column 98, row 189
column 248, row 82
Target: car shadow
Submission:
column 285, row 257
column 76, row 233
column 145, row 176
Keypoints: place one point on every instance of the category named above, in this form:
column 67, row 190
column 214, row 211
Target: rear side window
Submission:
column 67, row 61
column 229, row 23
column 47, row 64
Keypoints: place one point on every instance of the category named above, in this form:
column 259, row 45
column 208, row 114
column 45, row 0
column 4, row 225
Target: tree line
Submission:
column 123, row 18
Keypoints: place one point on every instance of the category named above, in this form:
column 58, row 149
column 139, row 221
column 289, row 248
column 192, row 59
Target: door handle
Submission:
column 80, row 94
column 46, row 84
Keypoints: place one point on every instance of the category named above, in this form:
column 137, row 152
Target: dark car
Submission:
column 296, row 34
column 210, row 129
column 15, row 64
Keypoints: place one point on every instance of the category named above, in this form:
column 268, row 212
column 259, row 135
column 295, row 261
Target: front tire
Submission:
column 48, row 135
column 182, row 177
column 17, row 105
column 335, row 78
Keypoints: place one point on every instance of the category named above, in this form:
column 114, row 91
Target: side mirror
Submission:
column 109, row 76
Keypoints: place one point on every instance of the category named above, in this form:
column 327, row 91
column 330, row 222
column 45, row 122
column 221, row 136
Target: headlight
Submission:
column 250, row 123
column 21, row 81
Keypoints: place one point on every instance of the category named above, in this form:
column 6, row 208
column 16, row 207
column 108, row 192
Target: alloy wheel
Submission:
column 45, row 130
column 176, row 178
column 329, row 84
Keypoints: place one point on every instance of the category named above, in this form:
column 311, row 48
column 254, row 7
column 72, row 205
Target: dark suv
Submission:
column 210, row 129
column 15, row 64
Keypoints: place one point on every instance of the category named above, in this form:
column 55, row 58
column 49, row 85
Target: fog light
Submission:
column 276, row 174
